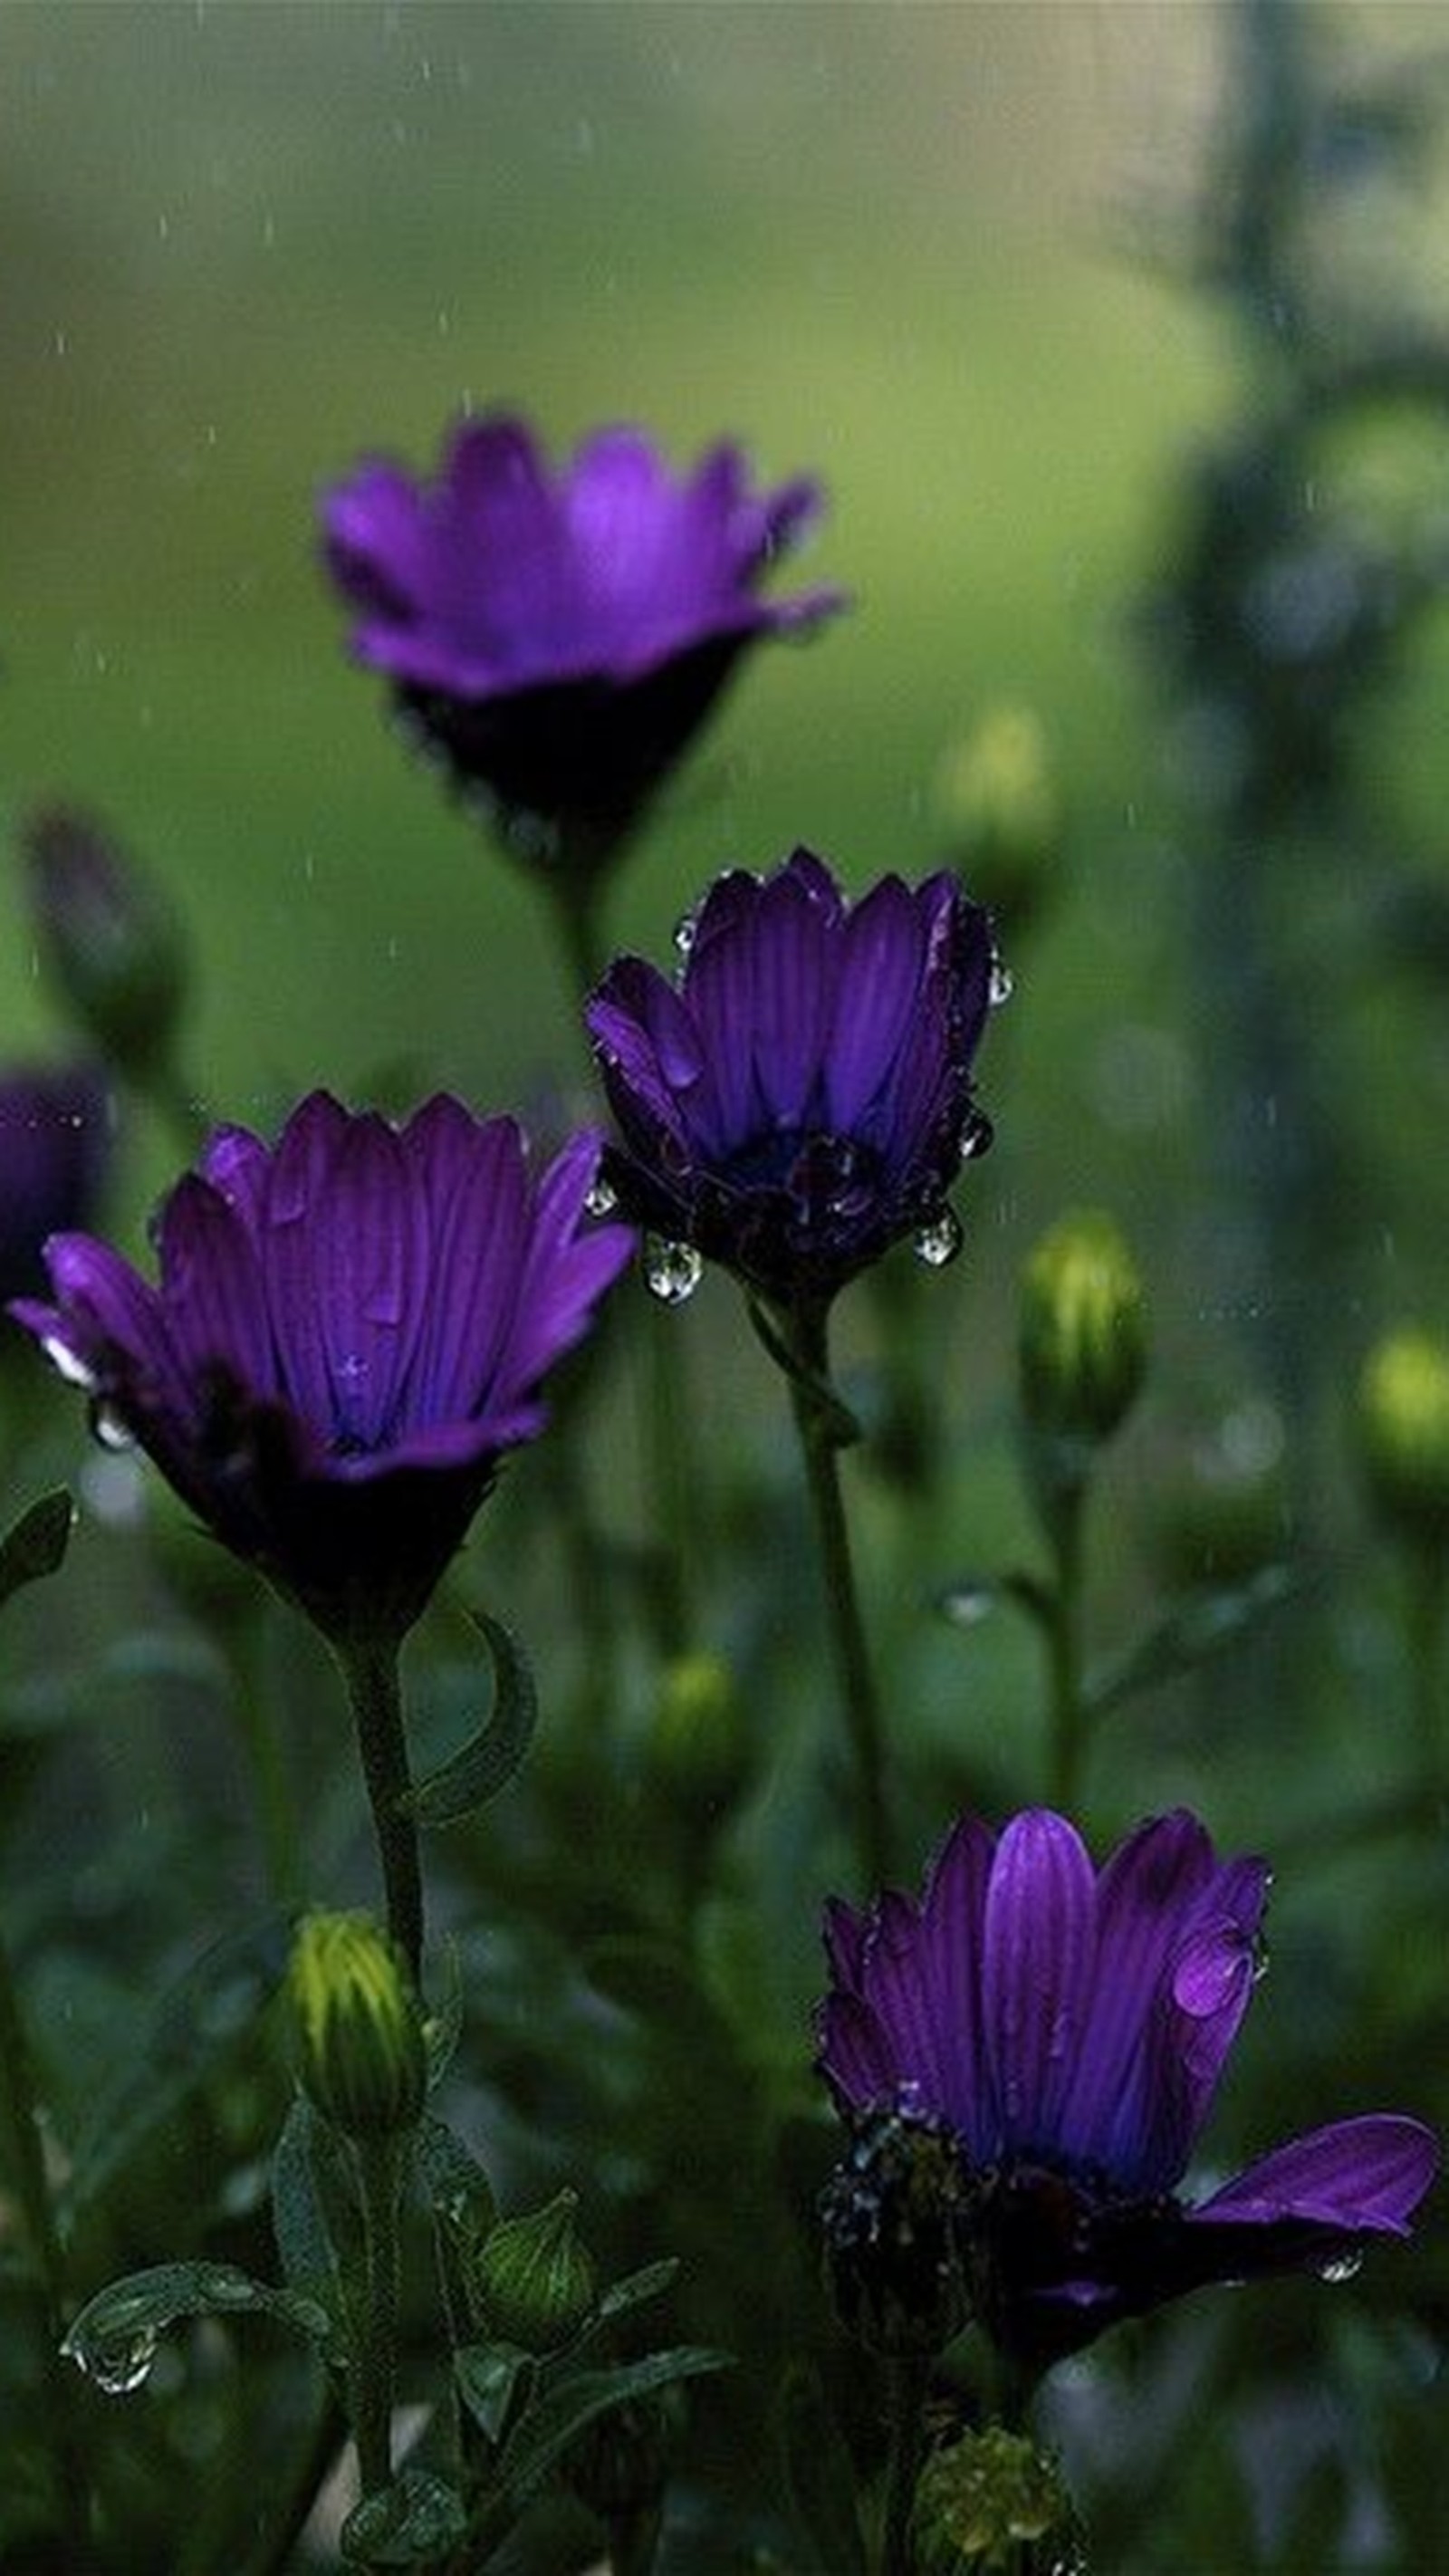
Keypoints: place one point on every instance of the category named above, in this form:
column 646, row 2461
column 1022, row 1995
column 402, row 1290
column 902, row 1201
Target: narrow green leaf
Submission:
column 35, row 1545
column 495, row 2380
column 557, row 2417
column 1186, row 1636
column 819, row 2476
column 489, row 1759
column 114, row 2338
column 306, row 2245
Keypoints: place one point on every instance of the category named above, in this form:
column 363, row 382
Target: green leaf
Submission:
column 1202, row 1625
column 455, row 2182
column 190, row 2032
column 306, row 2243
column 35, row 1545
column 443, row 2027
column 495, row 2381
column 557, row 2417
column 413, row 2523
column 114, row 2338
column 489, row 1759
column 819, row 2476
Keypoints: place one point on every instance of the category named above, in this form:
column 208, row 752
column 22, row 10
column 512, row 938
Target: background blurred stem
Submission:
column 25, row 2161
column 245, row 1640
column 909, row 2382
column 370, row 1670
column 1427, row 1598
column 1065, row 1527
column 817, row 1422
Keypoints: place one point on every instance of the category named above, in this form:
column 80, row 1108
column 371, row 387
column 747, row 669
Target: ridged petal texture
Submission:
column 1071, row 2024
column 800, row 1098
column 560, row 634
column 348, row 1331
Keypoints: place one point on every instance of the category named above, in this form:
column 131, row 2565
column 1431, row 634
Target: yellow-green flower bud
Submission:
column 534, row 2277
column 993, row 2503
column 1403, row 1434
column 109, row 937
column 361, row 2055
column 1083, row 1333
column 1001, row 811
column 698, row 1747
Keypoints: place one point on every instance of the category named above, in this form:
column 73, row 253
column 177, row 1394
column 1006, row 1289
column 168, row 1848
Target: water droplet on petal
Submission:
column 939, row 1242
column 1342, row 2267
column 118, row 2368
column 63, row 1358
column 601, row 1198
column 1260, row 1958
column 110, row 1427
column 976, row 1137
column 672, row 1271
column 684, row 930
column 1002, row 984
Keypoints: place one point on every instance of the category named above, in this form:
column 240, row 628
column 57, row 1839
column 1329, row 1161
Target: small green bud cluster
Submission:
column 1083, row 1331
column 994, row 2505
column 109, row 938
column 1403, row 1435
column 1001, row 811
column 361, row 2054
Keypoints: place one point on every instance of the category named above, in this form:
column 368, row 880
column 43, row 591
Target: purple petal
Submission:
column 1366, row 2175
column 565, row 1271
column 953, row 1915
column 474, row 1178
column 1146, row 1891
column 211, row 1289
column 794, row 960
column 879, row 981
column 858, row 2059
column 377, row 543
column 1039, row 1954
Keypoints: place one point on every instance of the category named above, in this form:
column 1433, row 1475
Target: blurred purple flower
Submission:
column 54, row 1142
column 560, row 637
column 1068, row 2027
column 800, row 1098
column 349, row 1331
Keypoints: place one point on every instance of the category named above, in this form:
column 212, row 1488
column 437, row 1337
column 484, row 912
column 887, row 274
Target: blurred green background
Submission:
column 909, row 248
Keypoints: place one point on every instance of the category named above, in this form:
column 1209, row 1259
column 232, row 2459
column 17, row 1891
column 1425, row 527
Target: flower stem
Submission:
column 818, row 1426
column 370, row 1670
column 25, row 2162
column 1428, row 1597
column 372, row 2378
column 1064, row 1648
column 909, row 2382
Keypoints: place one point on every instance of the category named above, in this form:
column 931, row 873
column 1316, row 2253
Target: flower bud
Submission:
column 619, row 2465
column 698, row 1748
column 362, row 2059
column 108, row 937
column 1083, row 1330
column 1001, row 812
column 994, row 2502
column 1403, row 1434
column 893, row 2214
column 534, row 2277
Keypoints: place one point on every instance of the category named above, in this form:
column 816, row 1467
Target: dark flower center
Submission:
column 831, row 1178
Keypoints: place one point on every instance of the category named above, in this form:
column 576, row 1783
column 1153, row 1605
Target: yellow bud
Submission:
column 1403, row 1433
column 361, row 2055
column 999, row 804
column 1083, row 1333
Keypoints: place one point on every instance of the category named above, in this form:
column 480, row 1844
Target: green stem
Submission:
column 673, row 1473
column 1068, row 1713
column 372, row 2378
column 819, row 1441
column 370, row 1670
column 1428, row 1597
column 25, row 2162
column 909, row 2382
column 576, row 912
column 265, row 1751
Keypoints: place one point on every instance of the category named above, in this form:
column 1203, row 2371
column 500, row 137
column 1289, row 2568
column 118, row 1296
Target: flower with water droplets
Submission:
column 1068, row 2025
column 559, row 636
column 798, row 1098
column 349, row 1332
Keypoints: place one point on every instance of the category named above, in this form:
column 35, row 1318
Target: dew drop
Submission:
column 118, row 2368
column 976, row 1138
column 672, row 1271
column 62, row 1357
column 1002, row 984
column 967, row 1604
column 601, row 1197
column 110, row 1428
column 1260, row 1958
column 1341, row 2267
column 684, row 930
column 938, row 1243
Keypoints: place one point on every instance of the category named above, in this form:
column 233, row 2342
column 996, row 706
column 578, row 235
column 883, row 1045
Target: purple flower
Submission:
column 1067, row 2027
column 350, row 1329
column 560, row 637
column 54, row 1143
column 800, row 1098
